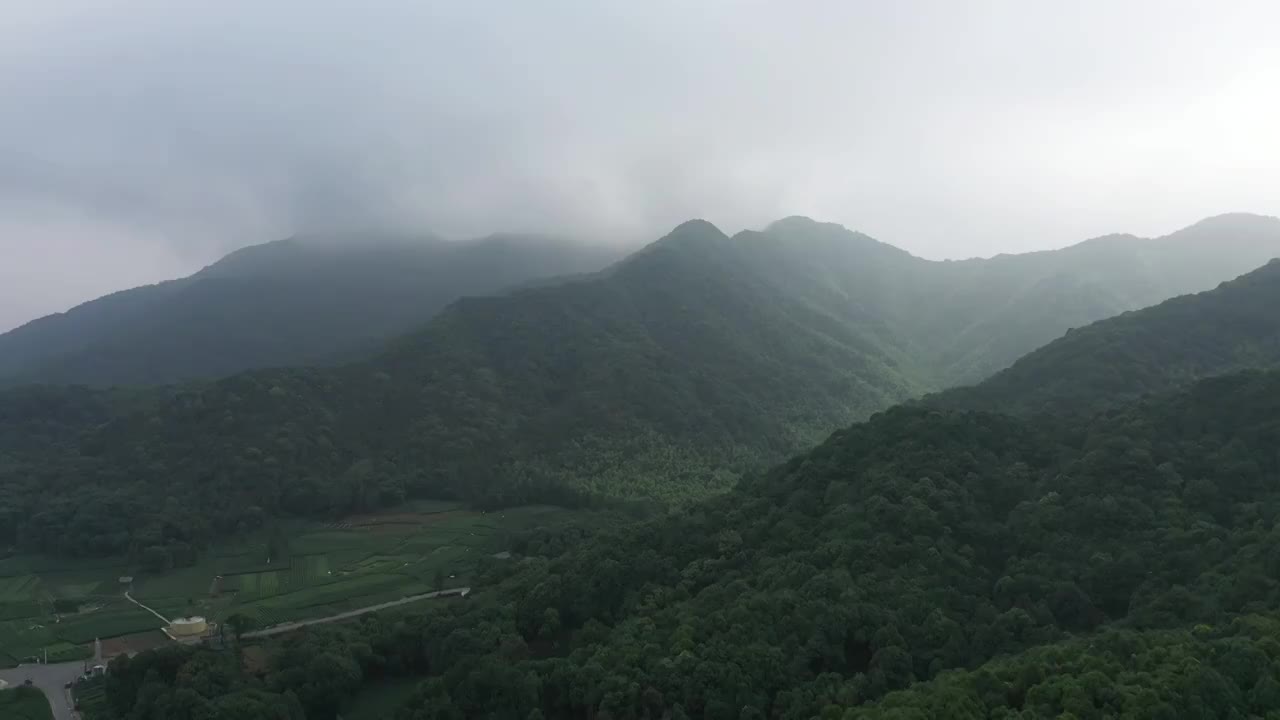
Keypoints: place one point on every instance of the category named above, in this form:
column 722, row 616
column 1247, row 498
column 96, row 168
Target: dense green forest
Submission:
column 926, row 563
column 658, row 382
column 306, row 300
column 932, row 561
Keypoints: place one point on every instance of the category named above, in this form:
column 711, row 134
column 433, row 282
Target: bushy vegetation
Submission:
column 1204, row 672
column 24, row 703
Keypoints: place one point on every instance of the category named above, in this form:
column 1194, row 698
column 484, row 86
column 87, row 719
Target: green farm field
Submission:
column 360, row 561
column 294, row 572
column 69, row 636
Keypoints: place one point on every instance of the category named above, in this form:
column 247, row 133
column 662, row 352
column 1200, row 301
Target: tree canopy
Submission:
column 924, row 560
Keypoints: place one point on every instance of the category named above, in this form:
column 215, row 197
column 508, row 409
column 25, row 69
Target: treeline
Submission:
column 855, row 578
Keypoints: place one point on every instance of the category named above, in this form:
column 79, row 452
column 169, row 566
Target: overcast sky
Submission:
column 142, row 139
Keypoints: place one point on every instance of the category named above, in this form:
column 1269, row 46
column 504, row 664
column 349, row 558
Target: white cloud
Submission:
column 161, row 134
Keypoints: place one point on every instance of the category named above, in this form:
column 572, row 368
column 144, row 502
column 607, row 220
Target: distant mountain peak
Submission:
column 1235, row 222
column 802, row 224
column 696, row 227
column 688, row 233
column 1239, row 217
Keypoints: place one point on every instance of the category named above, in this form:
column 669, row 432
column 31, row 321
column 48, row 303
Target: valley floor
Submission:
column 278, row 579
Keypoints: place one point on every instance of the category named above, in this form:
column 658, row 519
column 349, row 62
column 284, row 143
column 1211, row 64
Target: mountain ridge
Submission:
column 286, row 302
column 1151, row 350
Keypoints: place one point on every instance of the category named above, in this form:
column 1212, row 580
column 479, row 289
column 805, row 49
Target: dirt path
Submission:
column 291, row 626
column 163, row 619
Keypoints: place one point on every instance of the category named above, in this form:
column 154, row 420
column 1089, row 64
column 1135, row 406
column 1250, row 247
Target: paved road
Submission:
column 51, row 679
column 291, row 626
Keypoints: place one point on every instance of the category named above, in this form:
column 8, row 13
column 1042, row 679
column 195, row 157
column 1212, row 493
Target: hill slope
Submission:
column 961, row 321
column 1232, row 327
column 291, row 302
column 323, row 300
column 1127, row 570
column 663, row 378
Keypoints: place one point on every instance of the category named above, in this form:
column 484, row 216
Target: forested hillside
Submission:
column 326, row 299
column 1124, row 567
column 1233, row 327
column 661, row 381
column 961, row 321
column 307, row 300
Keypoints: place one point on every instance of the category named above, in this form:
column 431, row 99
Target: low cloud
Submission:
column 142, row 139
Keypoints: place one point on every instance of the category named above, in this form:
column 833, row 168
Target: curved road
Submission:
column 51, row 679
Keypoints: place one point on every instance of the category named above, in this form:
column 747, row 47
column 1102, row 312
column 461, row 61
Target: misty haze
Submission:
column 146, row 139
column 725, row 360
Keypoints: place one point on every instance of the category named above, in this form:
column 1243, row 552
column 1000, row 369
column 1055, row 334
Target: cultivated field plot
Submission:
column 134, row 643
column 33, row 589
column 91, row 697
column 20, row 597
column 314, row 570
column 69, row 637
column 23, row 588
column 295, row 572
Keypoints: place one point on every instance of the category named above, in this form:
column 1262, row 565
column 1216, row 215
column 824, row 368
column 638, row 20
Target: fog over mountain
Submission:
column 143, row 139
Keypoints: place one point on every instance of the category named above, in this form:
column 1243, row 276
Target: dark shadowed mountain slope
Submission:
column 302, row 301
column 1152, row 350
column 662, row 378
